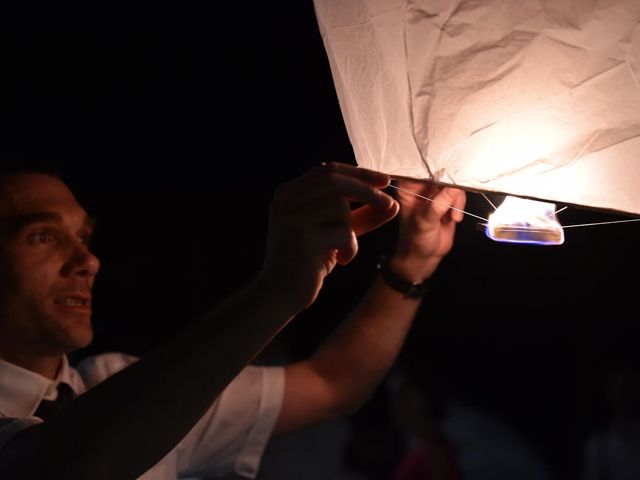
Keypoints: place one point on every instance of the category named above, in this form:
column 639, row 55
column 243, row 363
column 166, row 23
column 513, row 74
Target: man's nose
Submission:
column 81, row 262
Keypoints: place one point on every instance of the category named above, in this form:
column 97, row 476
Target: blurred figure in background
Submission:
column 613, row 452
column 449, row 436
column 420, row 407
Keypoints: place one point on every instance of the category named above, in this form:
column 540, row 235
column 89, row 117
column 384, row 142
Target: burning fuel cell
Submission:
column 520, row 220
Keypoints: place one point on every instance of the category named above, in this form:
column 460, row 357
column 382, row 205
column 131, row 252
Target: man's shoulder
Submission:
column 98, row 368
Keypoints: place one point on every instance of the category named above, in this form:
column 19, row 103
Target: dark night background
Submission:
column 175, row 138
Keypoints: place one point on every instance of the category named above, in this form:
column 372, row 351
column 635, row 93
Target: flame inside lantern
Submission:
column 520, row 220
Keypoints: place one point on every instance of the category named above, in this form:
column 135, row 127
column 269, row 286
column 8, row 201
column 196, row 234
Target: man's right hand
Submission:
column 312, row 227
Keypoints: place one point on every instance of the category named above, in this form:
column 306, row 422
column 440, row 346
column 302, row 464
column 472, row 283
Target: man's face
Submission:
column 46, row 269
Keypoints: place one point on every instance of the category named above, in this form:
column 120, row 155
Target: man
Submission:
column 193, row 406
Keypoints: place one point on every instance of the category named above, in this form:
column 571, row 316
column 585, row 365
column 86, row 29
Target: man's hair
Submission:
column 16, row 164
column 11, row 165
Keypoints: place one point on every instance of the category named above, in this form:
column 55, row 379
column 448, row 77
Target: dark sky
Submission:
column 175, row 137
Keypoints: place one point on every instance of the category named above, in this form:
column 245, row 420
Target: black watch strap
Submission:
column 409, row 289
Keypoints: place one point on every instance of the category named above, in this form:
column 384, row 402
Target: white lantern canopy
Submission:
column 533, row 98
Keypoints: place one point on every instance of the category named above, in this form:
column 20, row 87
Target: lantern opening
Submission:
column 520, row 220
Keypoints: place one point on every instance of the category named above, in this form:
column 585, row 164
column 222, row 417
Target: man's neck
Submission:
column 47, row 366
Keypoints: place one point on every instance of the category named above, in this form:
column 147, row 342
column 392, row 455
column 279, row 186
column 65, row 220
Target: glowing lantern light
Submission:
column 530, row 98
column 519, row 220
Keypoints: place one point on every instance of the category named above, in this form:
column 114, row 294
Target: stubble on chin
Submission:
column 72, row 333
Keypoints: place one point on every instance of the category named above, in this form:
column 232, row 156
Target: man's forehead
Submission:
column 32, row 193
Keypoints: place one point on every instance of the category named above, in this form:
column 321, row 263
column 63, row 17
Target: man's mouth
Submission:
column 73, row 301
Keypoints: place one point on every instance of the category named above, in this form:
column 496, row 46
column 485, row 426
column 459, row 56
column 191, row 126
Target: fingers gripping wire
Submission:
column 437, row 202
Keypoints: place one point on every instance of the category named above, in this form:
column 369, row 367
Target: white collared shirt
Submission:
column 229, row 439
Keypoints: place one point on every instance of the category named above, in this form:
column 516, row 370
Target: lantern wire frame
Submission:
column 545, row 229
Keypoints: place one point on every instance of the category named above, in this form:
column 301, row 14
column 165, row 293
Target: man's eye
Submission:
column 85, row 239
column 42, row 236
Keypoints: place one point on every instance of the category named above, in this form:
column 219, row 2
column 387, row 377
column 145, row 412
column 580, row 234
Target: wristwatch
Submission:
column 409, row 289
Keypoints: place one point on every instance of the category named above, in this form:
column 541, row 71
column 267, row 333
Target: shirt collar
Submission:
column 21, row 390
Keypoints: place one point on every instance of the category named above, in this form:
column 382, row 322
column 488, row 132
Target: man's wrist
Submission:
column 399, row 281
column 412, row 266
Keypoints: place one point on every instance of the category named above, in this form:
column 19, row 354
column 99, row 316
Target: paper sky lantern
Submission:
column 538, row 99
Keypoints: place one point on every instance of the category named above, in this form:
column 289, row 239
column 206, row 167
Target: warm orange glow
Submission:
column 520, row 220
column 531, row 99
